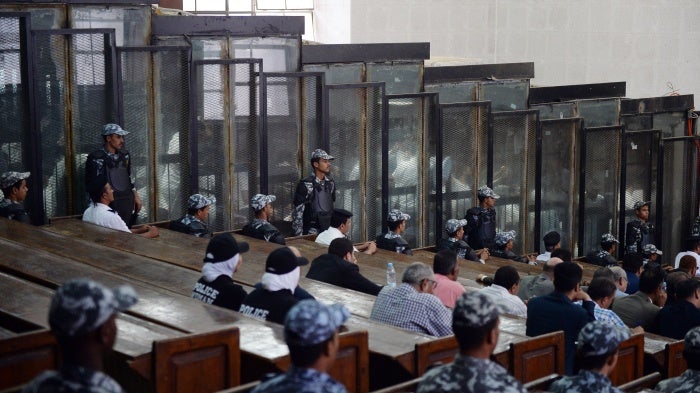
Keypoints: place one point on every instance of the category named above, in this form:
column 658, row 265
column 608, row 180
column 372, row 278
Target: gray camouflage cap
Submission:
column 639, row 204
column 320, row 153
column 473, row 309
column 453, row 225
column 396, row 215
column 80, row 306
column 600, row 337
column 486, row 192
column 502, row 238
column 692, row 338
column 608, row 238
column 112, row 128
column 9, row 178
column 651, row 249
column 259, row 201
column 198, row 201
column 310, row 322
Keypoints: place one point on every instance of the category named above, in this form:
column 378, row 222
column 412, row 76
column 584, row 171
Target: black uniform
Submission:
column 268, row 305
column 221, row 292
column 500, row 253
column 480, row 230
column 334, row 270
column 393, row 242
column 191, row 225
column 459, row 246
column 116, row 169
column 14, row 211
column 263, row 230
column 313, row 205
column 637, row 235
column 601, row 258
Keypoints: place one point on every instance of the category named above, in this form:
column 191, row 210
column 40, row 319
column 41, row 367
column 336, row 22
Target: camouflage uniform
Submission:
column 466, row 373
column 259, row 228
column 602, row 257
column 313, row 201
column 689, row 381
column 72, row 378
column 393, row 241
column 481, row 223
column 459, row 246
column 597, row 338
column 9, row 208
column 501, row 240
column 190, row 224
column 308, row 323
column 638, row 234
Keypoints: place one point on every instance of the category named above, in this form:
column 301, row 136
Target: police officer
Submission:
column 639, row 232
column 392, row 239
column 260, row 227
column 314, row 197
column 194, row 222
column 454, row 242
column 604, row 256
column 114, row 162
column 14, row 187
column 480, row 230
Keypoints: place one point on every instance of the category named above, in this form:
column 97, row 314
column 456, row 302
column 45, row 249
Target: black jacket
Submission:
column 221, row 292
column 334, row 270
column 268, row 305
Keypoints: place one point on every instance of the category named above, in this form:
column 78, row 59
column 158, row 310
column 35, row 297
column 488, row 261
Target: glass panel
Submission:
column 671, row 123
column 454, row 92
column 131, row 24
column 338, row 73
column 399, row 78
column 679, row 194
column 13, row 138
column 637, row 122
column 560, row 110
column 599, row 113
column 278, row 54
column 508, row 95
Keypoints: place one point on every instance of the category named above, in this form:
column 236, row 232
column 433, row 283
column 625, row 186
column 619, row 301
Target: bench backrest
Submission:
column 674, row 360
column 639, row 384
column 538, row 357
column 441, row 350
column 351, row 366
column 25, row 356
column 630, row 361
column 404, row 387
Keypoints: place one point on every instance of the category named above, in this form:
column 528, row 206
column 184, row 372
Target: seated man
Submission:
column 552, row 241
column 693, row 250
column 99, row 212
column 275, row 297
column 455, row 242
column 222, row 258
column 596, row 353
column 504, row 248
column 556, row 311
column 642, row 307
column 602, row 292
column 672, row 280
column 651, row 253
column 620, row 279
column 339, row 228
column 412, row 304
column 392, row 239
column 503, row 291
column 339, row 267
column 604, row 257
column 689, row 265
column 690, row 379
column 475, row 323
column 260, row 227
column 194, row 222
column 540, row 285
column 633, row 264
column 676, row 319
column 311, row 333
column 446, row 270
column 14, row 187
column 83, row 318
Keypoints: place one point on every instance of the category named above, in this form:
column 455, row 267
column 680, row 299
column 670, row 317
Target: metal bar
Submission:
column 360, row 85
column 553, row 94
column 680, row 103
column 253, row 26
column 437, row 123
column 479, row 72
column 538, row 187
column 72, row 31
column 366, row 53
column 89, row 2
column 194, row 126
column 385, row 159
column 113, row 77
column 623, row 189
column 262, row 133
column 465, row 104
column 153, row 48
column 582, row 191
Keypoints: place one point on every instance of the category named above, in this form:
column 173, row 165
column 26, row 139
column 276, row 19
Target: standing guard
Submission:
column 314, row 197
column 639, row 232
column 480, row 230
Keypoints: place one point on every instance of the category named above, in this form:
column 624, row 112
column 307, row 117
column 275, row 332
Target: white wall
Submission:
column 646, row 43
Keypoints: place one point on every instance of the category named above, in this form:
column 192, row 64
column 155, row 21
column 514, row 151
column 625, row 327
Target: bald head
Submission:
column 549, row 265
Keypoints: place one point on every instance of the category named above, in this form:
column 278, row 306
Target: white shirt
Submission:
column 544, row 257
column 691, row 253
column 330, row 234
column 101, row 214
column 505, row 301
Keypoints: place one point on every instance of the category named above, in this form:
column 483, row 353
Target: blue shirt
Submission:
column 302, row 380
column 632, row 283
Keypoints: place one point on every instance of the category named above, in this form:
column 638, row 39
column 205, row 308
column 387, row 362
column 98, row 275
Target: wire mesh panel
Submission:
column 292, row 131
column 559, row 180
column 507, row 95
column 639, row 176
column 600, row 112
column 131, row 23
column 680, row 193
column 411, row 149
column 599, row 194
column 399, row 78
column 13, row 104
column 75, row 97
column 224, row 145
column 155, row 105
column 513, row 158
column 354, row 125
column 453, row 92
column 465, row 130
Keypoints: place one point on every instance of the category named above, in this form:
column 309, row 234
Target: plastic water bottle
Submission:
column 390, row 275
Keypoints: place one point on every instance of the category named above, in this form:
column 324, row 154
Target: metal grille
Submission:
column 156, row 109
column 509, row 95
column 513, row 178
column 399, row 78
column 225, row 140
column 465, row 130
column 639, row 175
column 13, row 110
column 557, row 110
column 600, row 112
column 559, row 180
column 411, row 153
column 354, row 127
column 75, row 98
column 454, row 92
column 598, row 209
column 680, row 192
column 293, row 130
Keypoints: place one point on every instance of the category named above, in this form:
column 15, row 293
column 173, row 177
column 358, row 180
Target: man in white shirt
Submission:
column 552, row 241
column 502, row 292
column 340, row 226
column 99, row 212
column 693, row 250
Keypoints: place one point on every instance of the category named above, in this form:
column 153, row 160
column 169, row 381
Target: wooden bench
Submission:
column 674, row 361
column 630, row 361
column 542, row 384
column 642, row 383
column 405, row 387
column 26, row 355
